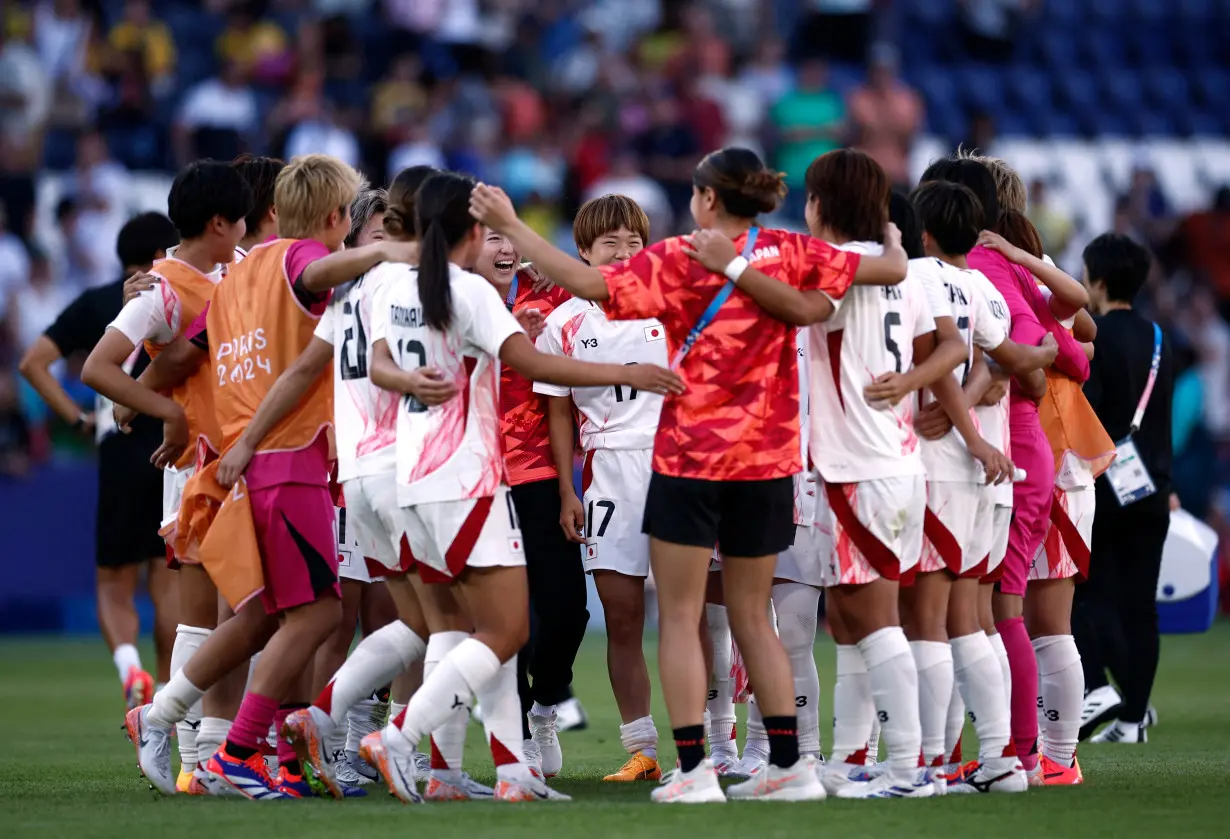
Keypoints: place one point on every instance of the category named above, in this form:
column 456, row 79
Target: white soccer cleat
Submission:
column 533, row 757
column 1150, row 717
column 1002, row 774
column 1099, row 706
column 153, row 745
column 572, row 716
column 724, row 762
column 544, row 732
column 838, row 776
column 748, row 766
column 397, row 769
column 528, row 788
column 886, row 786
column 700, row 786
column 798, row 783
column 1122, row 732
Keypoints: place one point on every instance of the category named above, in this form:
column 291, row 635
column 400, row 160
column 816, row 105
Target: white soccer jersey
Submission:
column 453, row 451
column 611, row 417
column 364, row 416
column 871, row 334
column 805, row 486
column 950, row 294
column 989, row 304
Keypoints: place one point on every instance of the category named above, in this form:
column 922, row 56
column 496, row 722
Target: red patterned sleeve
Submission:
column 823, row 267
column 644, row 286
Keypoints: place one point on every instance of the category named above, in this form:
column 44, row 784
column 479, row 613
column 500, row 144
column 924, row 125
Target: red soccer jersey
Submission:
column 738, row 420
column 527, row 446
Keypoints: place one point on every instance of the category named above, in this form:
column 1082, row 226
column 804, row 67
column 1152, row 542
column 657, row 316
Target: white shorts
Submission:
column 803, row 562
column 615, row 485
column 877, row 528
column 984, row 532
column 1064, row 552
column 948, row 531
column 352, row 550
column 448, row 536
column 1001, row 518
column 173, row 483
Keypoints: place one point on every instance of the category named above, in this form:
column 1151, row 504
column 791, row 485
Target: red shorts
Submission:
column 295, row 530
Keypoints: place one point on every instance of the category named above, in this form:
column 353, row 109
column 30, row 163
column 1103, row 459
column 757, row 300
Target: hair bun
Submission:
column 766, row 188
column 395, row 224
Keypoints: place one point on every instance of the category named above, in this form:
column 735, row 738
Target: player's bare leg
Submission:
column 623, row 603
column 163, row 585
column 115, row 591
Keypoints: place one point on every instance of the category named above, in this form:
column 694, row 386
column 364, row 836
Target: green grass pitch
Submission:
column 67, row 771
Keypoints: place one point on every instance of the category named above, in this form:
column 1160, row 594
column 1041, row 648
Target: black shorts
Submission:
column 129, row 507
column 743, row 518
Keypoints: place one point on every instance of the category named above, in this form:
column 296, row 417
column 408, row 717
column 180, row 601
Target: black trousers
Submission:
column 1114, row 616
column 558, row 616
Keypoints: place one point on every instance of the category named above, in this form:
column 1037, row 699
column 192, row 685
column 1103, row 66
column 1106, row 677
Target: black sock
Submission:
column 238, row 752
column 783, row 740
column 690, row 745
column 293, row 767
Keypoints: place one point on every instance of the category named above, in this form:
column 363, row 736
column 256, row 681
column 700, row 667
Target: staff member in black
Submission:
column 1131, row 386
column 129, row 487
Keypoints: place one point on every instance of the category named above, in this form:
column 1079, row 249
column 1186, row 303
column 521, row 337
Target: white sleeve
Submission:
column 988, row 332
column 327, row 324
column 924, row 321
column 380, row 313
column 153, row 315
column 936, row 291
column 551, row 342
column 481, row 319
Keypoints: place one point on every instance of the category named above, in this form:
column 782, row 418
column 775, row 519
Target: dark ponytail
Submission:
column 442, row 219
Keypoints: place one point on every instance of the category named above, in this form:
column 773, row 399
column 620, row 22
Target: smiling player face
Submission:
column 498, row 259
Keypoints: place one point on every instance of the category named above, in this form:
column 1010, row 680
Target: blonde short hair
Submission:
column 1009, row 187
column 309, row 188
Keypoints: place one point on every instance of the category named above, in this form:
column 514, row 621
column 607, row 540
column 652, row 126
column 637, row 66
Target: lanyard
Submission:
column 511, row 299
column 1144, row 397
column 707, row 316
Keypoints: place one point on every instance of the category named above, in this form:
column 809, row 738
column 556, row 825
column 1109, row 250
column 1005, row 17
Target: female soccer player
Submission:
column 459, row 523
column 729, row 444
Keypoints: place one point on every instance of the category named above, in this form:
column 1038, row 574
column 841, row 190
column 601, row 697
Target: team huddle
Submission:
column 887, row 410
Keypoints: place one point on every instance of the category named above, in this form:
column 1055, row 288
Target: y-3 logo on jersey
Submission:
column 589, row 343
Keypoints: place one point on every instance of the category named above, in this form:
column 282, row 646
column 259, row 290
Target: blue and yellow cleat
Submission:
column 249, row 777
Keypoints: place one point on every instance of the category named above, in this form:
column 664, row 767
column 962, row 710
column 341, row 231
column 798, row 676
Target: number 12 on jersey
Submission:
column 415, row 348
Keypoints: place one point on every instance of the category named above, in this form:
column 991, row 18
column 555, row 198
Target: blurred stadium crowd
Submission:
column 1113, row 109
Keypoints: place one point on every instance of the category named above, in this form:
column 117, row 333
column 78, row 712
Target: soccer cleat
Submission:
column 1119, row 731
column 138, row 687
column 303, row 730
column 749, row 766
column 1056, row 775
column 640, row 767
column 153, row 745
column 1004, row 774
column 724, row 762
column 531, row 788
column 572, row 716
column 1150, row 717
column 397, row 770
column 1100, row 705
column 886, row 786
column 292, row 786
column 454, row 785
column 249, row 777
column 210, row 784
column 183, row 783
column 700, row 786
column 422, row 762
column 533, row 757
column 797, row 783
column 939, row 781
column 838, row 776
column 544, row 732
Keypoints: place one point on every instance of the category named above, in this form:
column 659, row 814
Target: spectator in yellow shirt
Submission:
column 139, row 32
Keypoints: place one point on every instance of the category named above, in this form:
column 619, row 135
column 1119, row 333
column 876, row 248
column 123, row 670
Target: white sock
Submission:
column 1062, row 684
column 366, row 716
column 188, row 640
column 873, row 740
column 502, row 720
column 454, row 680
column 210, row 736
column 955, row 727
column 640, row 735
column 796, row 606
column 853, row 710
column 1001, row 655
column 982, row 688
column 448, row 741
column 756, row 746
column 933, row 659
column 540, row 710
column 171, row 704
column 126, row 657
column 894, row 690
column 395, row 709
column 378, row 659
column 721, row 701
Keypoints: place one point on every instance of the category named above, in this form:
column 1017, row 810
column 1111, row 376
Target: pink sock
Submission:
column 1024, row 698
column 253, row 721
column 286, row 752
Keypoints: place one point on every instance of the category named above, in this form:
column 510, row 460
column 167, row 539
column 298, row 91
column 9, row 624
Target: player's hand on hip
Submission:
column 711, row 249
column 138, row 283
column 931, row 423
column 491, row 206
column 233, row 463
column 429, row 386
column 572, row 517
column 653, row 379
